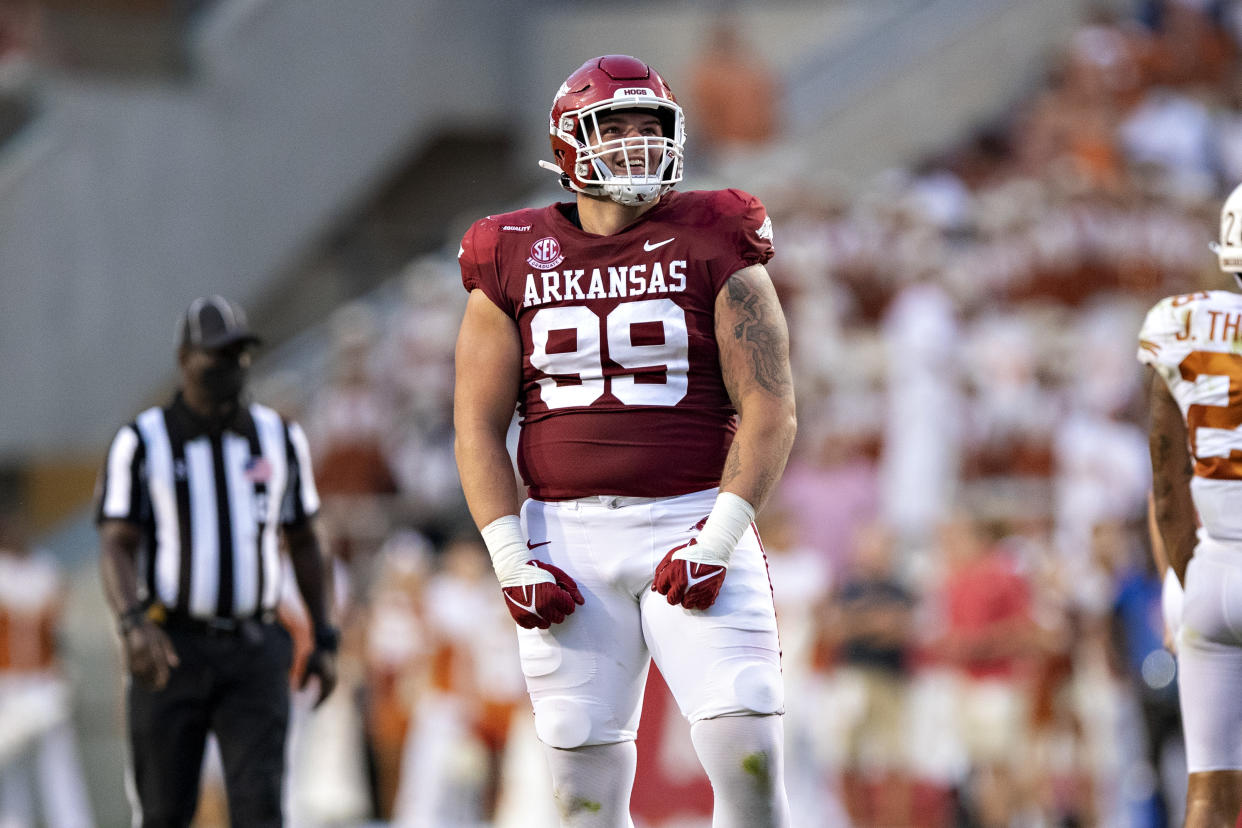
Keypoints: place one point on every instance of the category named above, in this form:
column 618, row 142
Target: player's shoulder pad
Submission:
column 1166, row 320
column 751, row 212
column 1169, row 314
column 726, row 203
column 479, row 238
column 734, row 208
column 1163, row 318
column 742, row 198
column 483, row 236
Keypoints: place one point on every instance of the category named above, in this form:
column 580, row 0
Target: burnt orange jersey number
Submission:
column 1227, row 417
column 1187, row 298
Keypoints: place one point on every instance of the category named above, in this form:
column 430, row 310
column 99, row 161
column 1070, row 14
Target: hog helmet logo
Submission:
column 545, row 254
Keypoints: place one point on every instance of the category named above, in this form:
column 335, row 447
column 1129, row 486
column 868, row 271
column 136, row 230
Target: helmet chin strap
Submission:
column 560, row 174
column 627, row 190
column 630, row 190
column 631, row 195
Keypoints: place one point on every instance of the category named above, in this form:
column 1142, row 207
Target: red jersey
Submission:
column 621, row 389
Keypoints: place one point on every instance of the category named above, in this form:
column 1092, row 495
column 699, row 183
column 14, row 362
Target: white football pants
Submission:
column 1210, row 658
column 586, row 675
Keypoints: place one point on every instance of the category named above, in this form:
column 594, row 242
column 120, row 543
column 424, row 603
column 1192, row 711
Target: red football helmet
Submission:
column 601, row 86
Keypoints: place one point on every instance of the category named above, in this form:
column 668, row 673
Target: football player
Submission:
column 638, row 334
column 1193, row 347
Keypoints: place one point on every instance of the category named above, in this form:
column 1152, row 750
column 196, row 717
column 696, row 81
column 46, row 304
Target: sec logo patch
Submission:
column 545, row 254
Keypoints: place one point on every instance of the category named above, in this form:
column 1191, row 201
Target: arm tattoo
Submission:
column 733, row 470
column 762, row 338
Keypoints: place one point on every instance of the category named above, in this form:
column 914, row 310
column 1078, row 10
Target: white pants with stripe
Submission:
column 586, row 675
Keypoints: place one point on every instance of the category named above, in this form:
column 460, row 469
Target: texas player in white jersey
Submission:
column 1192, row 345
column 637, row 333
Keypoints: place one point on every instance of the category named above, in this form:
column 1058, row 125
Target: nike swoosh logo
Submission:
column 530, row 545
column 692, row 581
column 528, row 607
column 648, row 246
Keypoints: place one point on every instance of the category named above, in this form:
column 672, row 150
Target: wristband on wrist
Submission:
column 730, row 517
column 131, row 618
column 507, row 547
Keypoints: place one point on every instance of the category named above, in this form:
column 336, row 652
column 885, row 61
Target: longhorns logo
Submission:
column 545, row 254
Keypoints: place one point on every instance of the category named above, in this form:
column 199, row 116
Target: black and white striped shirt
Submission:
column 210, row 502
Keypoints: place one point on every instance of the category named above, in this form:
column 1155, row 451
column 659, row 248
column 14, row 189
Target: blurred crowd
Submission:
column 969, row 612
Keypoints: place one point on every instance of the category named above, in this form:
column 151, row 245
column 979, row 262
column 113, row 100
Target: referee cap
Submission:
column 213, row 322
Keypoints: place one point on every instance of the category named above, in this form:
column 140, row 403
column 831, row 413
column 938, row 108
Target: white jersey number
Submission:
column 656, row 366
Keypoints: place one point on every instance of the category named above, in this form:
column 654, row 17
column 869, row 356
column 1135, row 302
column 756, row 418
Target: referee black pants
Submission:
column 235, row 685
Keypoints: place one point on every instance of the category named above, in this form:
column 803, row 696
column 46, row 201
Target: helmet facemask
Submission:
column 630, row 169
column 633, row 168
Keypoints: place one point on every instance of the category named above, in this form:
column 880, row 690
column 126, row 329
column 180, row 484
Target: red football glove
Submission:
column 692, row 583
column 544, row 597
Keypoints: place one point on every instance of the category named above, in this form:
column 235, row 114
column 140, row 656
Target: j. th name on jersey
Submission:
column 1230, row 329
column 612, row 282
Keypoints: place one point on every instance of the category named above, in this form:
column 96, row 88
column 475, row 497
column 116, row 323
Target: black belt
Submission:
column 217, row 627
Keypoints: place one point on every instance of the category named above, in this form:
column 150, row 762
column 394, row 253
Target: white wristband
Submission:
column 729, row 520
column 507, row 546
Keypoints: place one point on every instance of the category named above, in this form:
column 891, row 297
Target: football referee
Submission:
column 192, row 497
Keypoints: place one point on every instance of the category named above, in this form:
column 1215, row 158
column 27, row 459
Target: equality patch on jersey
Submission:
column 545, row 254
